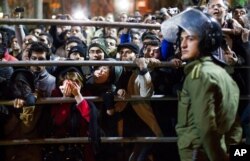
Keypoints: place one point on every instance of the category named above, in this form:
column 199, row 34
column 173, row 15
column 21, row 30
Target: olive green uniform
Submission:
column 207, row 110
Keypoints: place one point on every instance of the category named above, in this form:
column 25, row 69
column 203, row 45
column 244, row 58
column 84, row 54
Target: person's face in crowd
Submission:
column 14, row 45
column 36, row 32
column 111, row 32
column 76, row 56
column 111, row 45
column 25, row 54
column 101, row 74
column 28, row 39
column 100, row 18
column 44, row 39
column 217, row 9
column 71, row 83
column 151, row 51
column 110, row 17
column 95, row 53
column 37, row 56
column 65, row 88
column 69, row 46
column 123, row 17
column 127, row 54
column 189, row 46
column 238, row 13
column 77, row 31
column 136, row 39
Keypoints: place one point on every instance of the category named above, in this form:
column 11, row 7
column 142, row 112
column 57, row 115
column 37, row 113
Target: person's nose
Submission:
column 183, row 43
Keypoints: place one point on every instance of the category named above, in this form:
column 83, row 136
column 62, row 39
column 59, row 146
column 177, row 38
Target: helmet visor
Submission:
column 193, row 21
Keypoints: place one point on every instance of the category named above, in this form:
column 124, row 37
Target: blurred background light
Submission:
column 80, row 13
column 122, row 5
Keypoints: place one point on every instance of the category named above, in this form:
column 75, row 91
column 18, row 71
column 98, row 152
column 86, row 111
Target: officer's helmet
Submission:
column 194, row 21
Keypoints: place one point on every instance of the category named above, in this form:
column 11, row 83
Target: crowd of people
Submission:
column 205, row 44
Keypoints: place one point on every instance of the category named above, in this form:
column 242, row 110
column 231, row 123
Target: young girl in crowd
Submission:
column 71, row 119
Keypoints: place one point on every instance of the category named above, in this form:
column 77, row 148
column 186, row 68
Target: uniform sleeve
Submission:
column 205, row 98
column 84, row 110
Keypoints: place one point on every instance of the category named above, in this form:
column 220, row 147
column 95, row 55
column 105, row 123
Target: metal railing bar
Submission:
column 55, row 100
column 78, row 22
column 77, row 140
column 87, row 63
column 77, row 63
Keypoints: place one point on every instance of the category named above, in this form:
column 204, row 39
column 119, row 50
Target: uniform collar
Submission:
column 188, row 68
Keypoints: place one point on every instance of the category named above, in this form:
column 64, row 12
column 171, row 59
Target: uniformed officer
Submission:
column 209, row 98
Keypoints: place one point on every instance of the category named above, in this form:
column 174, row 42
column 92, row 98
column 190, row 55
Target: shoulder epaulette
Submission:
column 196, row 71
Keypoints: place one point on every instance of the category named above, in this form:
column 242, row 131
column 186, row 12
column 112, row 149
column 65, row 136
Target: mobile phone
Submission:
column 19, row 9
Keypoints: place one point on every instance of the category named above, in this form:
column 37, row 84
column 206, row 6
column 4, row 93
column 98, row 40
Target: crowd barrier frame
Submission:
column 78, row 22
column 74, row 140
column 78, row 140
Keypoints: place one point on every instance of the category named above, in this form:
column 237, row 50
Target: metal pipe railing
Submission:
column 77, row 140
column 55, row 100
column 76, row 63
column 78, row 22
column 87, row 63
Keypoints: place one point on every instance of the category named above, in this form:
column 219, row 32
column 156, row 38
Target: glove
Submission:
column 108, row 99
column 30, row 100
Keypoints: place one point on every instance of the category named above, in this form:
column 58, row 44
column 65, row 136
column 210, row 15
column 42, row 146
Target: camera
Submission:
column 19, row 9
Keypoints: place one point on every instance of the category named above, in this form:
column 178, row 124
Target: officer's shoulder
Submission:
column 204, row 69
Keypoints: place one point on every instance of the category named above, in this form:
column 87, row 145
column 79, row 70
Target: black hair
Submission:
column 22, row 83
column 178, row 42
column 20, row 89
column 39, row 47
column 5, row 38
column 239, row 7
column 2, row 51
column 74, row 39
